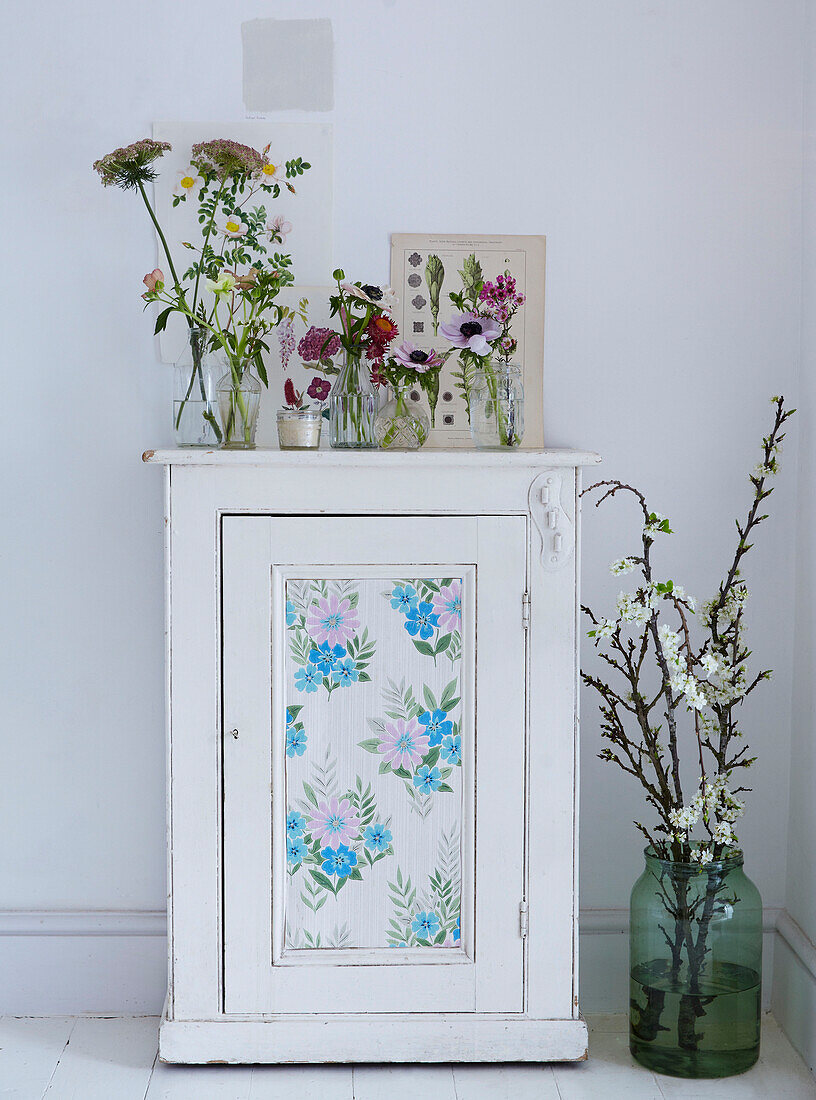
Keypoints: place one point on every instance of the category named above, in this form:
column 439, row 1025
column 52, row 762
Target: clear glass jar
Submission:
column 353, row 406
column 695, row 968
column 239, row 397
column 400, row 428
column 299, row 429
column 195, row 403
column 497, row 406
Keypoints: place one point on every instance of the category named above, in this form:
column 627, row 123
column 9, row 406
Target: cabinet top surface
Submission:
column 423, row 459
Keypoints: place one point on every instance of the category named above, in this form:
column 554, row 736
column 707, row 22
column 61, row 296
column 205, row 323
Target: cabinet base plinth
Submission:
column 372, row 1038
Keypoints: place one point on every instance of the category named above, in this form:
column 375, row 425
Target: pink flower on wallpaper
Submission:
column 447, row 604
column 404, row 743
column 335, row 823
column 332, row 620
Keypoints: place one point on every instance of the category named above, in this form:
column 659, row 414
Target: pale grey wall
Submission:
column 657, row 145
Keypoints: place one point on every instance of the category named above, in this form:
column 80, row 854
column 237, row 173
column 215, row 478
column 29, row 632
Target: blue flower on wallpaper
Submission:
column 340, row 862
column 290, row 718
column 290, row 613
column 295, row 849
column 457, row 929
column 345, row 672
column 436, row 726
column 325, row 657
column 427, row 779
column 295, row 824
column 426, row 925
column 421, row 620
column 377, row 837
column 452, row 749
column 295, row 741
column 404, row 598
column 308, row 678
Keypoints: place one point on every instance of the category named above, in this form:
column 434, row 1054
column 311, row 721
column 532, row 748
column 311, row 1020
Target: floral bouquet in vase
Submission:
column 398, row 426
column 480, row 333
column 227, row 294
column 366, row 331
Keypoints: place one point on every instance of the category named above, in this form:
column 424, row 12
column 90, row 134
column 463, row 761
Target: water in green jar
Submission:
column 713, row 1032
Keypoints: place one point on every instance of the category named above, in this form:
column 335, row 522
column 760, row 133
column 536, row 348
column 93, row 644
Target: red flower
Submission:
column 382, row 329
column 375, row 352
column 377, row 379
column 294, row 400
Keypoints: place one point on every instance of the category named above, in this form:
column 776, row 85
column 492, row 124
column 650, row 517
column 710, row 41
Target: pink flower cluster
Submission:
column 501, row 298
column 311, row 347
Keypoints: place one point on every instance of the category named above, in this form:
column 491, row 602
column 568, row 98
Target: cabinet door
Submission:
column 374, row 762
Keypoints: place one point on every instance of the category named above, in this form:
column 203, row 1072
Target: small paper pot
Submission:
column 299, row 429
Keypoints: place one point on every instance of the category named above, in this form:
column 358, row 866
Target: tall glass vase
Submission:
column 497, row 406
column 195, row 405
column 353, row 407
column 239, row 397
column 695, row 967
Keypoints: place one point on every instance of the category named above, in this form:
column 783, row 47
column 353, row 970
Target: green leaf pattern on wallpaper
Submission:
column 373, row 759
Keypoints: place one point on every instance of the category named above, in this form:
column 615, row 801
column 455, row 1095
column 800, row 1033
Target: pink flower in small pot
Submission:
column 404, row 743
column 279, row 228
column 332, row 620
column 409, row 355
column 335, row 823
column 319, row 388
column 447, row 604
column 467, row 330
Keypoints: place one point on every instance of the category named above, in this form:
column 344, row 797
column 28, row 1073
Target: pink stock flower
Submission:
column 404, row 743
column 467, row 330
column 332, row 620
column 447, row 604
column 335, row 823
column 318, row 344
column 409, row 355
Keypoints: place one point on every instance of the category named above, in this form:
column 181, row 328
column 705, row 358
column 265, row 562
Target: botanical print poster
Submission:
column 425, row 268
column 375, row 743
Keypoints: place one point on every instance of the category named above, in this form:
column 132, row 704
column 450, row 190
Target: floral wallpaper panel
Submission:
column 373, row 760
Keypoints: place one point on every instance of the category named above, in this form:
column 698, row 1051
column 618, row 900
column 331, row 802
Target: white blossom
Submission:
column 701, row 855
column 622, row 566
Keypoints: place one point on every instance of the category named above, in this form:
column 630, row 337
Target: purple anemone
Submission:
column 409, row 355
column 467, row 330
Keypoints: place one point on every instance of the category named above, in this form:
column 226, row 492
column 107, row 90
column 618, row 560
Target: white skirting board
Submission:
column 794, row 987
column 91, row 962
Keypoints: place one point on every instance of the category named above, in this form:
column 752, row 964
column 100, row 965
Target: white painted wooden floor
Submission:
column 91, row 1058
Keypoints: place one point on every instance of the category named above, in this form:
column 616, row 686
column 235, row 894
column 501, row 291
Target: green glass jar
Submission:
column 695, row 968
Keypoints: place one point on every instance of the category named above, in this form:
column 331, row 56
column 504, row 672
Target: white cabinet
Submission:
column 372, row 756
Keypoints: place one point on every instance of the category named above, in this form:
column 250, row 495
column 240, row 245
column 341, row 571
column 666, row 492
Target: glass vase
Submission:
column 239, row 396
column 400, row 428
column 695, row 967
column 497, row 406
column 195, row 404
column 353, row 407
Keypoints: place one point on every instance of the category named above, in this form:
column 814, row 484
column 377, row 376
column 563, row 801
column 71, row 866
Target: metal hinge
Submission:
column 525, row 609
column 523, row 910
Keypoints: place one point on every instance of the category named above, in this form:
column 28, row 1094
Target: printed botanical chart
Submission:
column 424, row 270
column 375, row 742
